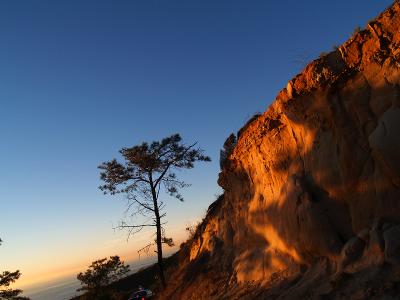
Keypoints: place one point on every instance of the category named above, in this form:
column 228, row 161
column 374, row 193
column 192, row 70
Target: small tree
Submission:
column 6, row 279
column 101, row 273
column 148, row 169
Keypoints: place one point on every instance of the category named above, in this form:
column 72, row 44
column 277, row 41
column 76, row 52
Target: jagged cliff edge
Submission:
column 311, row 203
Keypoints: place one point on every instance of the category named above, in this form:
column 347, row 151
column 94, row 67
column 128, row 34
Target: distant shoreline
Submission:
column 65, row 288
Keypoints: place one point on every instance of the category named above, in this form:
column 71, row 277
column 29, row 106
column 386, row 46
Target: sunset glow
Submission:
column 80, row 80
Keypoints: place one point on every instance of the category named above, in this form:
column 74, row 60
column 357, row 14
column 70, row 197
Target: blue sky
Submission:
column 81, row 79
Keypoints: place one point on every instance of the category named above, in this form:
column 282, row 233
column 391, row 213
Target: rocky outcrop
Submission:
column 311, row 190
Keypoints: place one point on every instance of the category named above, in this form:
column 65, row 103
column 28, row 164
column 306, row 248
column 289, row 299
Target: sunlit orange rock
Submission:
column 307, row 182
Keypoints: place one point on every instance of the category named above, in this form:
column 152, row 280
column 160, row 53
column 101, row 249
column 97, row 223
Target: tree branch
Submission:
column 136, row 226
column 171, row 163
column 141, row 204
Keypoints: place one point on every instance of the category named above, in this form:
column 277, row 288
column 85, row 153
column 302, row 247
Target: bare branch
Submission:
column 145, row 249
column 141, row 204
column 136, row 226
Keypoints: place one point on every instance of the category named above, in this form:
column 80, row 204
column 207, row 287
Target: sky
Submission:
column 81, row 79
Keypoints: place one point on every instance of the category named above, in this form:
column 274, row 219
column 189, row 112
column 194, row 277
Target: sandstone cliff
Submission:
column 311, row 204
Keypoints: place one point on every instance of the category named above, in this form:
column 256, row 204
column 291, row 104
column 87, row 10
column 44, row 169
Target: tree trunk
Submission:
column 159, row 250
column 159, row 237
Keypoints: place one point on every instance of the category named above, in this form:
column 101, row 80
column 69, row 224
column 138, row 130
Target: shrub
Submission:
column 251, row 120
column 227, row 149
column 100, row 274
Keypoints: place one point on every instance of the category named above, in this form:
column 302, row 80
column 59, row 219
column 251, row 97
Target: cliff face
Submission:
column 311, row 189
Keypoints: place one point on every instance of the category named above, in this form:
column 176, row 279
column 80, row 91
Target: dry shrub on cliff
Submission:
column 227, row 149
column 356, row 30
column 251, row 120
column 192, row 229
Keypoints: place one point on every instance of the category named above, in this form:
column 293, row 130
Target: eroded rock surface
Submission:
column 309, row 186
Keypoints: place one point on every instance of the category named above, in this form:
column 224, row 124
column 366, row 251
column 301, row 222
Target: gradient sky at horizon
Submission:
column 81, row 79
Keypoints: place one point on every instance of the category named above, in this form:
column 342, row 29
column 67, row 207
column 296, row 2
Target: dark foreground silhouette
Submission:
column 123, row 288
